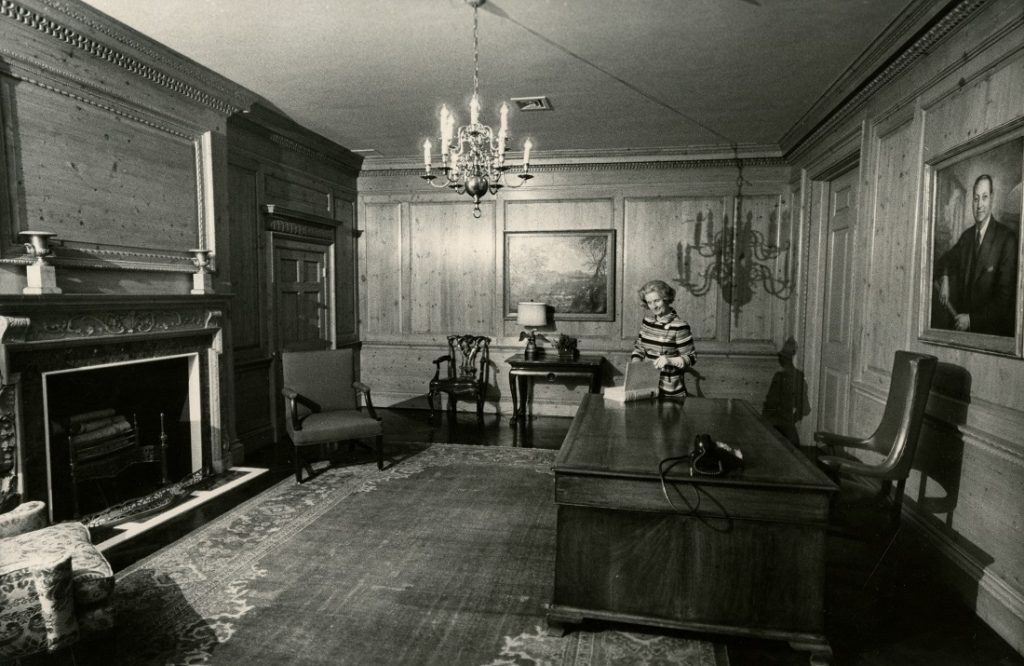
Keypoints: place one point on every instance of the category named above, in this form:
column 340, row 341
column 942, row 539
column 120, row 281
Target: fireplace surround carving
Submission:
column 43, row 334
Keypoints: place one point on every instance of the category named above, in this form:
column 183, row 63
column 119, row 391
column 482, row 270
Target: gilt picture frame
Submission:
column 972, row 292
column 571, row 271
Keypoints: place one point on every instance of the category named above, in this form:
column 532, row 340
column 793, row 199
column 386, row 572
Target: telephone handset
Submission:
column 712, row 458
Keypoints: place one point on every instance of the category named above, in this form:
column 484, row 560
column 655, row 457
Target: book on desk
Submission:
column 641, row 384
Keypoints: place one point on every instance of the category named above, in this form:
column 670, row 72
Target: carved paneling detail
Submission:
column 21, row 14
column 295, row 228
column 45, row 327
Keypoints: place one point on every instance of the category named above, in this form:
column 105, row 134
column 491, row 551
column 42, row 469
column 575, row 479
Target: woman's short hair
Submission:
column 659, row 287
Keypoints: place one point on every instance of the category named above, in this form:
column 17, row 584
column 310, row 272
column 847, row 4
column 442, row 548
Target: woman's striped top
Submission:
column 669, row 336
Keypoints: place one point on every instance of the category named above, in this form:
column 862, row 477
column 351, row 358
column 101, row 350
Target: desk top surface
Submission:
column 609, row 439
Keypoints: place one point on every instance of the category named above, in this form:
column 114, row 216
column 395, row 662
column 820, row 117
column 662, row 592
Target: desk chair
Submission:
column 322, row 404
column 870, row 499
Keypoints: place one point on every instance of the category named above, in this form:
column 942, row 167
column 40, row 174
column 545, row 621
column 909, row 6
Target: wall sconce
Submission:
column 531, row 315
column 739, row 255
column 40, row 275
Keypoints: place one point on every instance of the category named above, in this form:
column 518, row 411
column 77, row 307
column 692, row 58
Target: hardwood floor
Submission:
column 903, row 618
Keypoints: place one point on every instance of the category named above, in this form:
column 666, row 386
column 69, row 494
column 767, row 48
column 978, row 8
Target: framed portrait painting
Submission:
column 972, row 275
column 571, row 271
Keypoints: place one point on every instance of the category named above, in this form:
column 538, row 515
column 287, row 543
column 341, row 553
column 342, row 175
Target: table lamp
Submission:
column 531, row 315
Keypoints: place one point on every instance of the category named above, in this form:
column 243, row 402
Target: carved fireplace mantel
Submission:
column 45, row 333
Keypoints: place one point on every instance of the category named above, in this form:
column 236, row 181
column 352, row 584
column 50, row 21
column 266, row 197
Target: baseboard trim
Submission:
column 996, row 602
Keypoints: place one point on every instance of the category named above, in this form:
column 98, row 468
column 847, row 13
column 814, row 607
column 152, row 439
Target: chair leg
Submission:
column 480, row 408
column 380, row 452
column 430, row 401
column 297, row 455
column 452, row 405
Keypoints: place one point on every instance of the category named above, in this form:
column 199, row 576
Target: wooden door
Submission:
column 302, row 309
column 836, row 352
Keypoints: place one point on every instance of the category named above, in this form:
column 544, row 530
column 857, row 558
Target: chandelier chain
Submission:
column 476, row 53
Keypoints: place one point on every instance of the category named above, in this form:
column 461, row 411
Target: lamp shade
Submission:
column 532, row 314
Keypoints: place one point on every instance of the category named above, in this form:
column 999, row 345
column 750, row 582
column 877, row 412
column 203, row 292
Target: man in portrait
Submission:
column 978, row 276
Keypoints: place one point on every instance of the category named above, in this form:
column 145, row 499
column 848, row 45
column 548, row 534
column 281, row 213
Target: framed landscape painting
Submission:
column 971, row 283
column 571, row 271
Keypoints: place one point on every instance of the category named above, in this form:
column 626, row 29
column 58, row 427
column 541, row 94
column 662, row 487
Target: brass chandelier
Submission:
column 473, row 156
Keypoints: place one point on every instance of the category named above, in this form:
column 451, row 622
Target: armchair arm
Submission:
column 437, row 363
column 364, row 390
column 832, row 439
column 855, row 467
column 26, row 517
column 293, row 400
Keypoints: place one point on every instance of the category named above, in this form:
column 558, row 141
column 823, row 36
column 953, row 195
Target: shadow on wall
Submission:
column 939, row 458
column 786, row 402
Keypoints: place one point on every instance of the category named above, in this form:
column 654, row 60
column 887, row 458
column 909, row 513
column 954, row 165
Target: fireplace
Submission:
column 149, row 364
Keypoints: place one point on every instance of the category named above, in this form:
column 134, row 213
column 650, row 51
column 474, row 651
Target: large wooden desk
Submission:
column 748, row 560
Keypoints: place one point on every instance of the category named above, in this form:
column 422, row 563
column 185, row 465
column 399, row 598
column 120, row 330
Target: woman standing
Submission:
column 664, row 338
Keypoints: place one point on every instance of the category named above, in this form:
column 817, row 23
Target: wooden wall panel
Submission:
column 890, row 251
column 753, row 309
column 96, row 178
column 298, row 193
column 451, row 276
column 657, row 233
column 246, row 276
column 559, row 214
column 382, row 285
column 346, row 269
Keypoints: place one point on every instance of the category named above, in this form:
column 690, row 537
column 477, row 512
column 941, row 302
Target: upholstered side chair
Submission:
column 322, row 404
column 465, row 375
column 55, row 585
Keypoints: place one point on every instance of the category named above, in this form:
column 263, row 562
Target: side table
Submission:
column 549, row 367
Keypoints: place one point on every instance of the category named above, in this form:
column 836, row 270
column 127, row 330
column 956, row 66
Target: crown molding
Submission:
column 691, row 157
column 72, row 24
column 925, row 21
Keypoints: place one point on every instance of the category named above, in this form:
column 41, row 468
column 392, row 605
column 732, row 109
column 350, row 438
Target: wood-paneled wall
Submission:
column 275, row 163
column 961, row 79
column 429, row 269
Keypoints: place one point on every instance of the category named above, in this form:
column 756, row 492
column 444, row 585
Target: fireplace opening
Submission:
column 121, row 431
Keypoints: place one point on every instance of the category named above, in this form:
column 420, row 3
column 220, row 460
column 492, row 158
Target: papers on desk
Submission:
column 641, row 384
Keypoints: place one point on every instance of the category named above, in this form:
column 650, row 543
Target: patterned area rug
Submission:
column 445, row 558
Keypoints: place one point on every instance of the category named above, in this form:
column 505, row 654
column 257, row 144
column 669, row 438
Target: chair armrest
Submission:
column 847, row 466
column 292, row 400
column 440, row 359
column 364, row 390
column 832, row 439
column 26, row 517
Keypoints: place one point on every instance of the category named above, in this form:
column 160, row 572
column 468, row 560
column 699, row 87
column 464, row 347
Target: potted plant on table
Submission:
column 564, row 344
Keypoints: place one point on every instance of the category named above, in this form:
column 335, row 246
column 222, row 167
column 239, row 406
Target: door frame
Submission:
column 845, row 155
column 286, row 224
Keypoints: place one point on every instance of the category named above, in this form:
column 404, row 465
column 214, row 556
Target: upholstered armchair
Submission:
column 466, row 369
column 322, row 404
column 54, row 584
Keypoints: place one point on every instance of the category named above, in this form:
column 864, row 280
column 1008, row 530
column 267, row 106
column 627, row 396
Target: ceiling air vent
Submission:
column 541, row 103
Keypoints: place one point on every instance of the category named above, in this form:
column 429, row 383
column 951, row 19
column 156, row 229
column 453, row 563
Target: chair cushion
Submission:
column 92, row 577
column 37, row 610
column 23, row 518
column 335, row 427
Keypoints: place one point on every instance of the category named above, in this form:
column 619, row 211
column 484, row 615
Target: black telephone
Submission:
column 712, row 458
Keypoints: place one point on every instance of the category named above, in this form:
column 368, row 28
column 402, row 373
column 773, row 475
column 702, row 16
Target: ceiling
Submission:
column 623, row 76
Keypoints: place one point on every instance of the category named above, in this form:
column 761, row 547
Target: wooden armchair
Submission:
column 869, row 504
column 322, row 404
column 467, row 366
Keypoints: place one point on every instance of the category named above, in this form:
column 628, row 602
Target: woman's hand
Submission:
column 662, row 361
